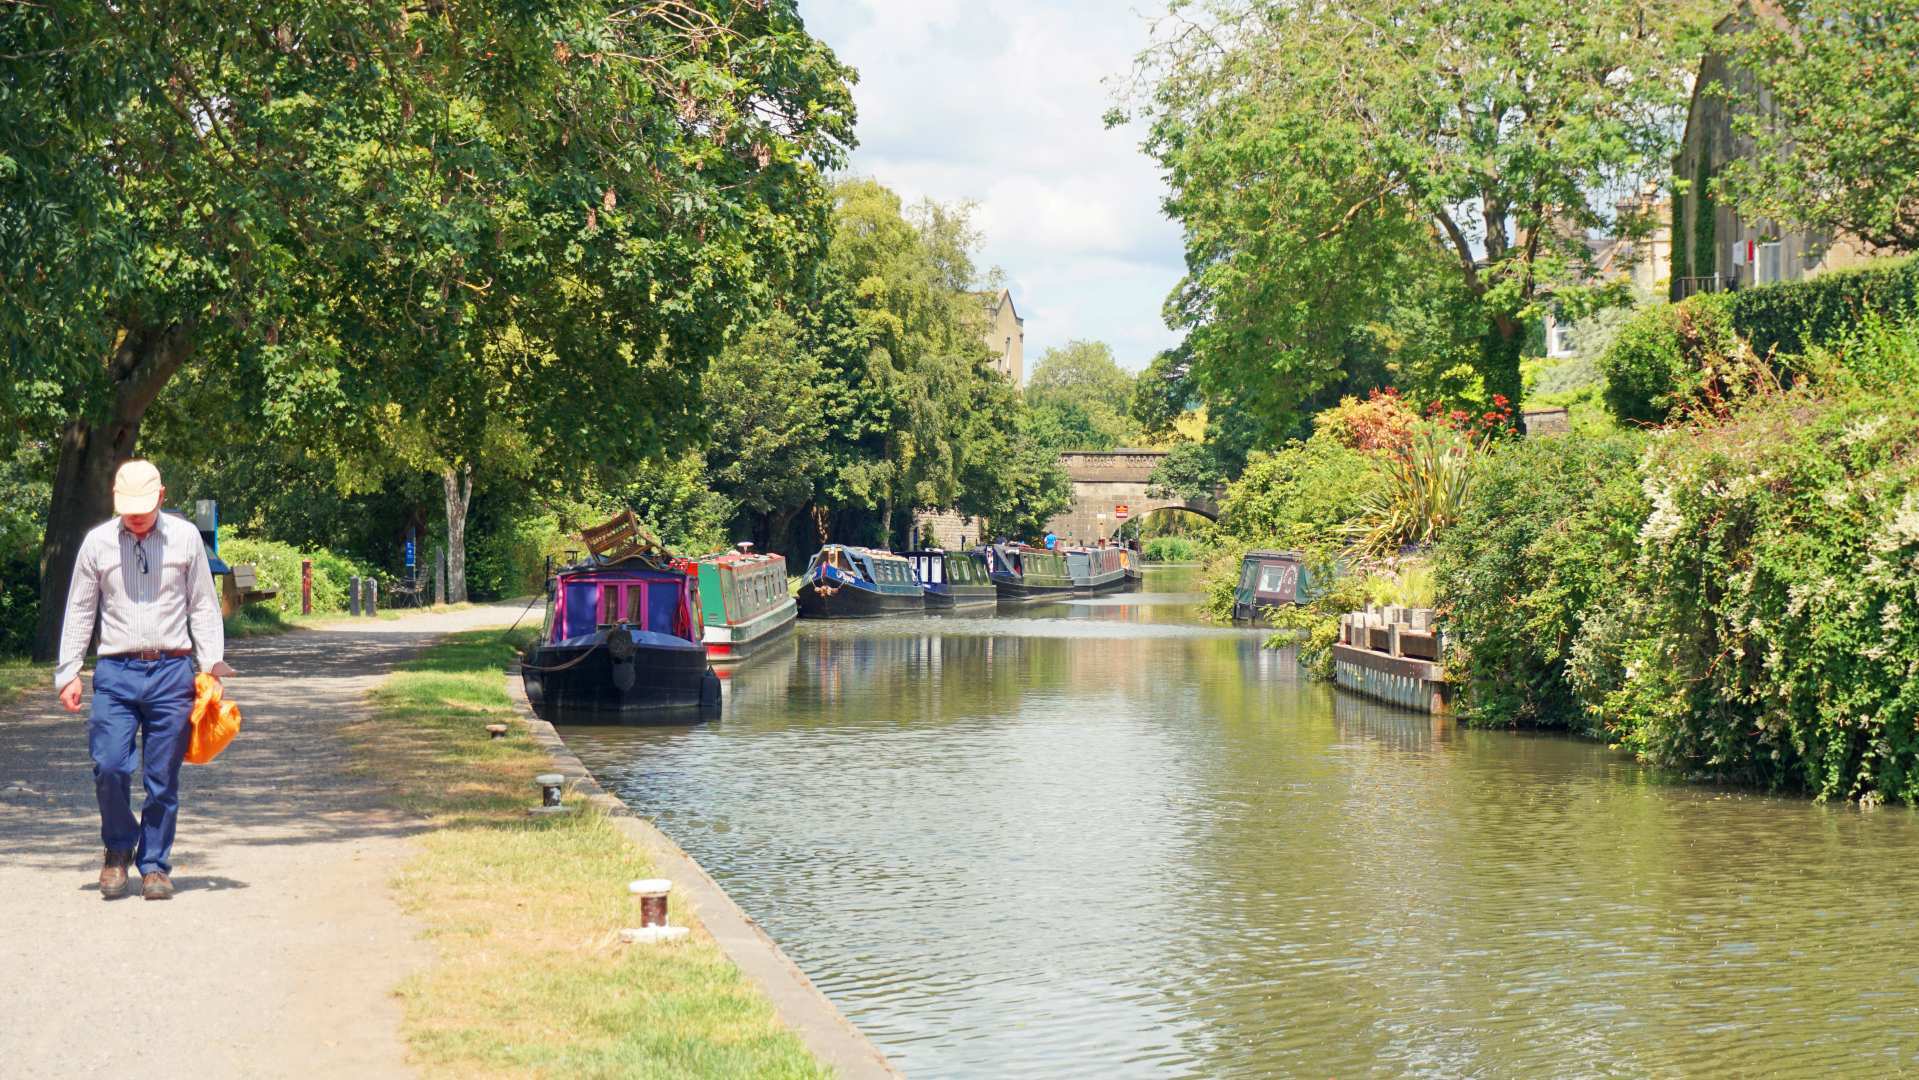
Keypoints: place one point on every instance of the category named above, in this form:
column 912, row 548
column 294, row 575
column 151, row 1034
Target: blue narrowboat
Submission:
column 622, row 639
column 844, row 582
column 953, row 580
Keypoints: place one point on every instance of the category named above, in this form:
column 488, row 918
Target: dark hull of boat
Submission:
column 1111, row 581
column 1012, row 588
column 851, row 602
column 581, row 684
column 962, row 598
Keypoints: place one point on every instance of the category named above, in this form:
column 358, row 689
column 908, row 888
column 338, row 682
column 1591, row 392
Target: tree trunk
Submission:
column 459, row 495
column 1499, row 350
column 91, row 449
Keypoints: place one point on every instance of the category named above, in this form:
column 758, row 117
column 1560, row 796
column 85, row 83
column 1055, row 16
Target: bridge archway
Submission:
column 1107, row 483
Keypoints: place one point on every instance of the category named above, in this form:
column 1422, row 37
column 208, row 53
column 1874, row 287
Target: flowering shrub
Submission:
column 1772, row 632
column 1384, row 421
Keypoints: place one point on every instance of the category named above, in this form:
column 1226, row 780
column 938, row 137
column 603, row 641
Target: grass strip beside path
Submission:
column 19, row 676
column 524, row 913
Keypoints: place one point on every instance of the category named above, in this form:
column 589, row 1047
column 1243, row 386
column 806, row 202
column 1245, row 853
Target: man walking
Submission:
column 145, row 576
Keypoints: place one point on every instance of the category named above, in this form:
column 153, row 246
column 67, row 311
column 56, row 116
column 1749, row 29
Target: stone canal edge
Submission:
column 799, row 1004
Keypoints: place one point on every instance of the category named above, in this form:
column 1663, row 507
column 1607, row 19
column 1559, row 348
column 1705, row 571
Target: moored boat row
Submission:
column 853, row 582
column 634, row 628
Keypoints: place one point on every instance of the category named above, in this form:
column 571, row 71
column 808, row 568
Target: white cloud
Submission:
column 1000, row 102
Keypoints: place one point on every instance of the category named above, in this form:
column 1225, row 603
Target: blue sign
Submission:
column 409, row 553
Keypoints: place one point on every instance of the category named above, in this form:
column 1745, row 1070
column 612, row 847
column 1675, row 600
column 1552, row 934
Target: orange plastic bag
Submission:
column 214, row 722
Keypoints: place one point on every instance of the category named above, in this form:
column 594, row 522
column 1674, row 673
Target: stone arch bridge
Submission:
column 1103, row 481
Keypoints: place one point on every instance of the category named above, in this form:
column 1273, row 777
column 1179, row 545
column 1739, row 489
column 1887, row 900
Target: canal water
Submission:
column 1105, row 839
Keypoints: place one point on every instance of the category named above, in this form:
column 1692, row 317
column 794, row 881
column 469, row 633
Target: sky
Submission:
column 1000, row 102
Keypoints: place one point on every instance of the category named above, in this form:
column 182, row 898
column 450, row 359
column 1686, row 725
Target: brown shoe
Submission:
column 156, row 885
column 113, row 874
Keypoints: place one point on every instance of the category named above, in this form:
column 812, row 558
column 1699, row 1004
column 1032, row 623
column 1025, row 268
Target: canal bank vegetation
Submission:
column 1728, row 596
column 529, row 975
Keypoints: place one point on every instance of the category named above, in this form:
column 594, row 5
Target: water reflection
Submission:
column 1101, row 839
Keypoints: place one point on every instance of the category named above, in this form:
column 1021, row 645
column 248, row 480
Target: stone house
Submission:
column 1714, row 248
column 1644, row 263
column 1006, row 335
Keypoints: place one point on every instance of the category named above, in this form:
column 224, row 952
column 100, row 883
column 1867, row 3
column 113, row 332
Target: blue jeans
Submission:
column 155, row 699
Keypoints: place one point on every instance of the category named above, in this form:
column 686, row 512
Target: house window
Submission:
column 1770, row 265
column 1559, row 338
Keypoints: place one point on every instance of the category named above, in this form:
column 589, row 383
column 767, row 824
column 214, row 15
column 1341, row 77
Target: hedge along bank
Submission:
column 1739, row 601
column 1771, row 631
column 1544, row 546
column 1707, row 349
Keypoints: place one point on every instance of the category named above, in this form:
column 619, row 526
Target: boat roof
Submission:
column 871, row 553
column 743, row 558
column 631, row 566
column 1266, row 553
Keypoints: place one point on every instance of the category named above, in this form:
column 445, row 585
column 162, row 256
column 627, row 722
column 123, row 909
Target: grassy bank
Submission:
column 531, row 977
column 19, row 676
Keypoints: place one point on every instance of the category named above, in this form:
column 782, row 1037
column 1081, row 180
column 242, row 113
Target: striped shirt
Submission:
column 150, row 592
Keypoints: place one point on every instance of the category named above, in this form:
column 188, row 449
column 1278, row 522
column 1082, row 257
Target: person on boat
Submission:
column 1051, row 540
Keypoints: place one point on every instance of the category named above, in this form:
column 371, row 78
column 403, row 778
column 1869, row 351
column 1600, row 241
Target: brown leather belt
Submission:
column 149, row 654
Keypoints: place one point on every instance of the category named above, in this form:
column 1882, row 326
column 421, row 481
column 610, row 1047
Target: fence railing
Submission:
column 1687, row 286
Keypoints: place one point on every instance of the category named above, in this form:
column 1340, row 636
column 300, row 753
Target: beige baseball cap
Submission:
column 136, row 488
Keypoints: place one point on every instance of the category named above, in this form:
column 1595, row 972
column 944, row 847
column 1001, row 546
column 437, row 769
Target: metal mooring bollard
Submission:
column 651, row 893
column 496, row 731
column 550, row 784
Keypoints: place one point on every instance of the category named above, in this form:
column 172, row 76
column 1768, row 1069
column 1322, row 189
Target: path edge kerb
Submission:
column 799, row 1004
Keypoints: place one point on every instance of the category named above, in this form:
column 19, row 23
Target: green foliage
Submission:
column 1081, row 398
column 1543, row 540
column 1190, row 471
column 1171, row 549
column 1303, row 492
column 1426, row 484
column 1839, row 150
column 1682, row 263
column 1772, row 630
column 1643, row 365
column 766, row 407
column 1705, row 237
column 278, row 567
column 1712, row 349
column 1322, row 159
column 24, row 492
column 1062, row 426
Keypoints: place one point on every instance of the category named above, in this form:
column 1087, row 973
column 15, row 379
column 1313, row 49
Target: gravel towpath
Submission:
column 280, row 954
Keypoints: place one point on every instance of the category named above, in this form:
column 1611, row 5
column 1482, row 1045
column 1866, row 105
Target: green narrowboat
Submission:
column 744, row 603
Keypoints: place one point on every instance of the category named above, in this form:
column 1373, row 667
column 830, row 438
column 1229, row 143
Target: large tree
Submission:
column 421, row 235
column 1081, row 398
column 1322, row 155
column 1839, row 150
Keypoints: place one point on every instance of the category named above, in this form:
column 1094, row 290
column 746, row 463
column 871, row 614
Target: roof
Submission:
column 871, row 553
column 1003, row 298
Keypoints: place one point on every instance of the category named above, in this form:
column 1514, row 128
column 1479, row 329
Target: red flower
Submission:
column 1500, row 400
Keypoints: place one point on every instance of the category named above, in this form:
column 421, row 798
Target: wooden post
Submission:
column 439, row 576
column 306, row 586
column 372, row 596
column 353, row 596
